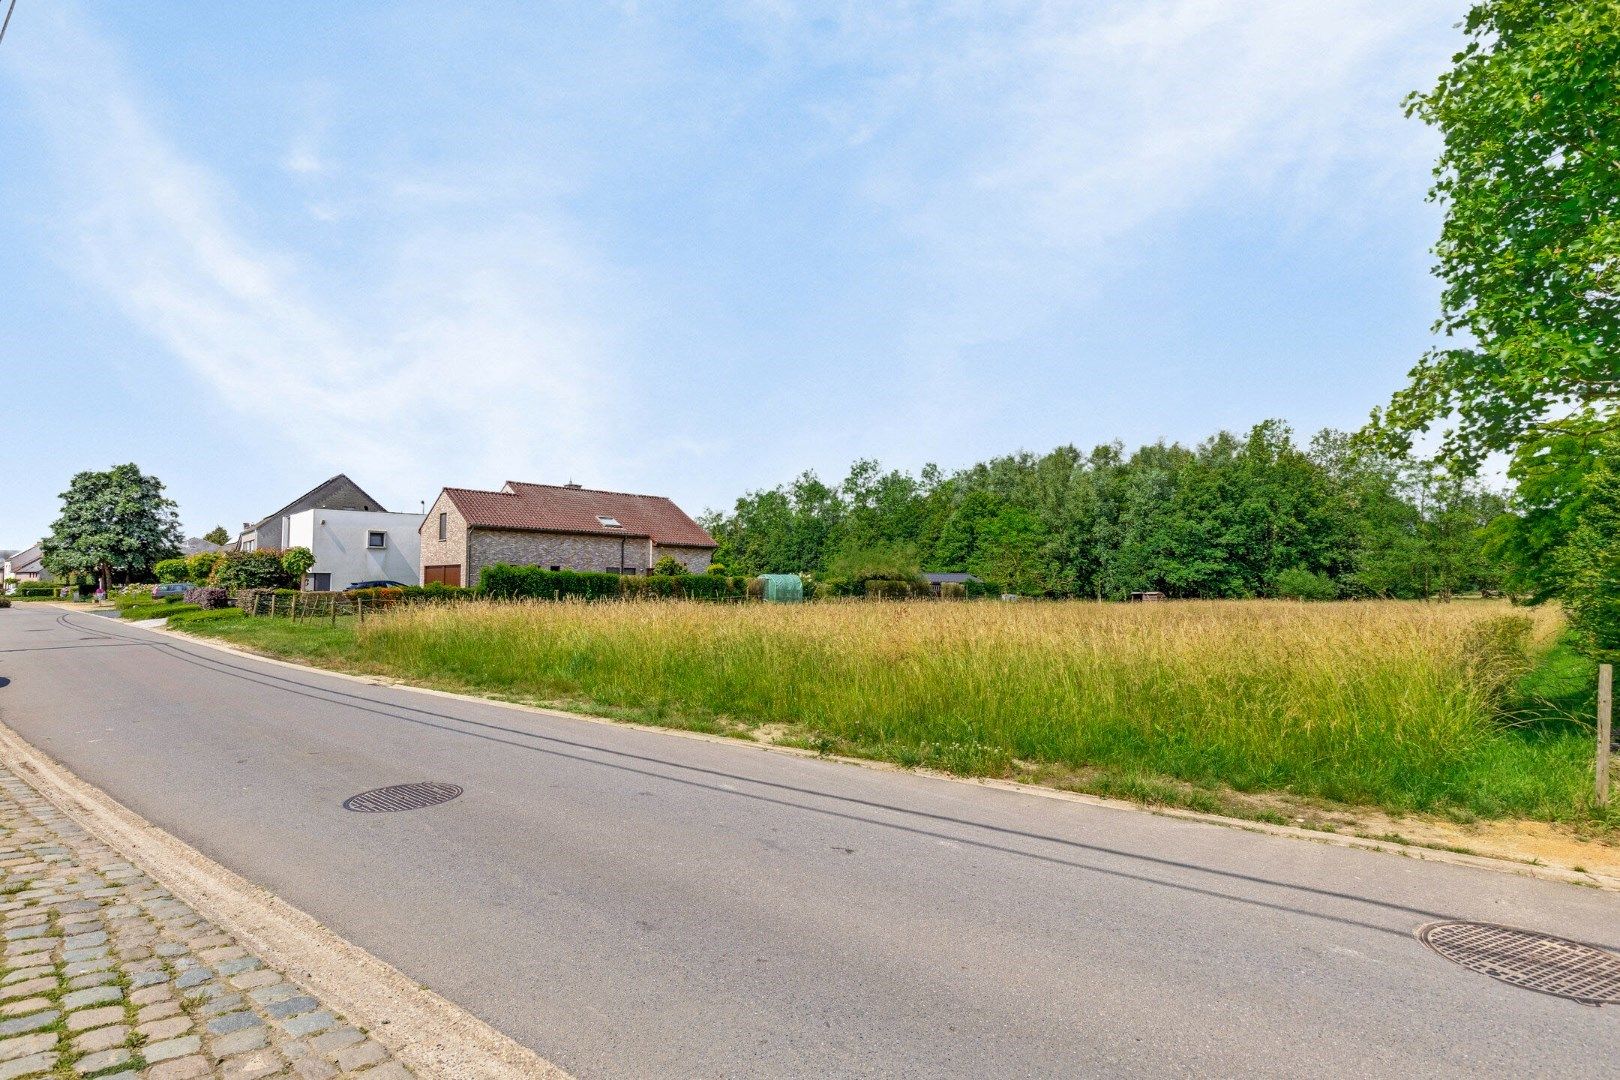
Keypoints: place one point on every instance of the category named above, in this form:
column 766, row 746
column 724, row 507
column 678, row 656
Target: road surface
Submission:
column 630, row 903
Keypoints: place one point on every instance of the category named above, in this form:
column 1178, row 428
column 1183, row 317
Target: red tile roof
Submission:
column 562, row 509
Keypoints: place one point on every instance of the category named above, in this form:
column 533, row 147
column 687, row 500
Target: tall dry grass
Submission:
column 1397, row 704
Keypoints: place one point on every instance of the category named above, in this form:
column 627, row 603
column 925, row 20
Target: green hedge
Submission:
column 684, row 586
column 505, row 582
column 260, row 569
column 883, row 589
column 439, row 591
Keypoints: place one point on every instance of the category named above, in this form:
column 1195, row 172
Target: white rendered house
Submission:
column 356, row 545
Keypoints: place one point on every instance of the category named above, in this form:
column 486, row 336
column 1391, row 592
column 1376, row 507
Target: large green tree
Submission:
column 1530, row 250
column 113, row 522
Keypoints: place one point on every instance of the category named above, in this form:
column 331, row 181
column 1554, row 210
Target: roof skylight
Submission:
column 609, row 522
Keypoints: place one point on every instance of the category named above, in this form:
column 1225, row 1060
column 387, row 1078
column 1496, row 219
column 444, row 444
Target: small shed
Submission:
column 1139, row 597
column 782, row 588
column 936, row 582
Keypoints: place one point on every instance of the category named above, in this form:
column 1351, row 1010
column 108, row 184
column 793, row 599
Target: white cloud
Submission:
column 474, row 352
column 1029, row 148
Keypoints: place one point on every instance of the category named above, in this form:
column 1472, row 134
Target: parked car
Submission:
column 171, row 588
column 353, row 585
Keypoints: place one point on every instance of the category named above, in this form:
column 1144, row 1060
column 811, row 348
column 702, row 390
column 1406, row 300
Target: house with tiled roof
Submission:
column 28, row 565
column 557, row 527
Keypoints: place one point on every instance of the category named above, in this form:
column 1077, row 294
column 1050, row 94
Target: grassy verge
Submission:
column 1402, row 707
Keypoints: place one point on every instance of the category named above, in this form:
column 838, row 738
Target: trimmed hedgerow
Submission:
column 439, row 591
column 386, row 592
column 507, row 582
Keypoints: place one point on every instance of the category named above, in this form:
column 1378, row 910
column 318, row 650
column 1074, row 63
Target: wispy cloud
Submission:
column 1029, row 149
column 473, row 349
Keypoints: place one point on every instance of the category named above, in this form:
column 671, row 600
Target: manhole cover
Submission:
column 385, row 800
column 1539, row 962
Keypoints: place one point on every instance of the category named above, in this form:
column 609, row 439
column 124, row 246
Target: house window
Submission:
column 556, row 568
column 444, row 526
column 376, row 539
column 609, row 522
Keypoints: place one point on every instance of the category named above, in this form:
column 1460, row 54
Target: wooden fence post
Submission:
column 1605, row 729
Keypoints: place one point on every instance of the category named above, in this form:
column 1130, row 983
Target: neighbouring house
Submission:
column 195, row 545
column 26, row 565
column 558, row 527
column 338, row 493
column 356, row 545
column 935, row 581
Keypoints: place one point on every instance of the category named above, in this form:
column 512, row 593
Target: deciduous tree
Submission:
column 1529, row 176
column 116, row 521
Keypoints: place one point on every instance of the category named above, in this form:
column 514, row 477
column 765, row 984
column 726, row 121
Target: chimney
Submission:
column 573, row 486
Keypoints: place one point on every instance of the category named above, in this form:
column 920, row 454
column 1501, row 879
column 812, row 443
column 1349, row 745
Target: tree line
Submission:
column 1235, row 516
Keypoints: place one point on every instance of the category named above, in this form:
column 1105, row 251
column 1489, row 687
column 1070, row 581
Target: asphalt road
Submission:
column 632, row 904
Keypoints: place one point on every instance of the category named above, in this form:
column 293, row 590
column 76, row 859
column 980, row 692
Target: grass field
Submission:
column 1471, row 708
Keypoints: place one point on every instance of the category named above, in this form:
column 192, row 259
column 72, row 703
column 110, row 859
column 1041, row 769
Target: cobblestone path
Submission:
column 108, row 975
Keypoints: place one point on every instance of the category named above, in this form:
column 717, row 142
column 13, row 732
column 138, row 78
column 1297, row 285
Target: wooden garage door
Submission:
column 441, row 575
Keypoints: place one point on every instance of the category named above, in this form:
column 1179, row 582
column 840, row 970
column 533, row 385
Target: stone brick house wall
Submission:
column 567, row 527
column 563, row 550
column 695, row 559
column 452, row 550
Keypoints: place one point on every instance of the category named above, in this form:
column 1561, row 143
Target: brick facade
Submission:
column 545, row 550
column 452, row 550
column 695, row 559
column 482, row 528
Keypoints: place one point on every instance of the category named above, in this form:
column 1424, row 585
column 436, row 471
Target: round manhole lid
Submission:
column 386, row 800
column 1540, row 962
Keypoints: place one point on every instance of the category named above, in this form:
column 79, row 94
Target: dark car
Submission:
column 353, row 585
column 171, row 588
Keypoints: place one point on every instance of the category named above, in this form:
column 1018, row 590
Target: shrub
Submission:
column 5, row 601
column 249, row 570
column 200, row 567
column 439, row 591
column 296, row 563
column 208, row 596
column 718, row 570
column 682, row 586
column 36, row 588
column 953, row 590
column 982, row 590
column 886, row 589
column 668, row 566
column 169, row 571
column 1302, row 584
column 508, row 582
column 384, row 593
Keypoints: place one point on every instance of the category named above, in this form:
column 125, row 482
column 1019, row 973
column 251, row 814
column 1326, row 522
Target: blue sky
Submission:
column 692, row 249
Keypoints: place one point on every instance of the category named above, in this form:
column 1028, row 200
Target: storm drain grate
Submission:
column 1540, row 962
column 386, row 800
